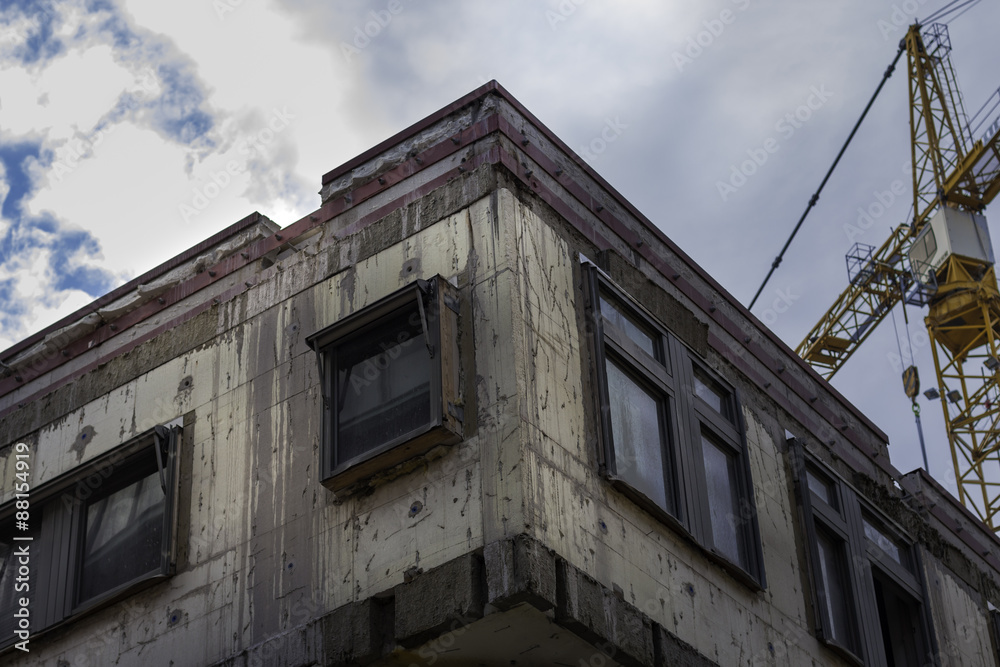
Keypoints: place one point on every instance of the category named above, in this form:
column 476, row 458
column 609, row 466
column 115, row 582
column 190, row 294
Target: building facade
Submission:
column 473, row 410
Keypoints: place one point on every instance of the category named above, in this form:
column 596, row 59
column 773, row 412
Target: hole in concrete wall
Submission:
column 82, row 440
column 409, row 269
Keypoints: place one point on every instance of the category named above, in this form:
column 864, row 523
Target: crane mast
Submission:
column 942, row 259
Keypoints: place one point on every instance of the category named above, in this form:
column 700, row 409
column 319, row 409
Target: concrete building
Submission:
column 473, row 410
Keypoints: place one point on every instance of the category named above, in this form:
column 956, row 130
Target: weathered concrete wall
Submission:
column 264, row 547
column 570, row 509
column 962, row 629
column 584, row 520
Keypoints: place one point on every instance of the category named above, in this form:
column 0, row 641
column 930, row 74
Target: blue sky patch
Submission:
column 27, row 234
column 13, row 157
column 40, row 43
column 179, row 114
column 12, row 309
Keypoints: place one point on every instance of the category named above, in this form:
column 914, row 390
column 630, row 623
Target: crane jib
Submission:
column 942, row 259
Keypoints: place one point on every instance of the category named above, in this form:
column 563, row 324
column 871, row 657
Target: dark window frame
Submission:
column 669, row 375
column 727, row 431
column 865, row 562
column 437, row 306
column 994, row 624
column 833, row 521
column 136, row 469
column 655, row 376
column 58, row 514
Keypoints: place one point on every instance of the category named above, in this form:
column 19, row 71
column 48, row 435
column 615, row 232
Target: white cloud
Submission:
column 66, row 98
column 126, row 193
column 249, row 78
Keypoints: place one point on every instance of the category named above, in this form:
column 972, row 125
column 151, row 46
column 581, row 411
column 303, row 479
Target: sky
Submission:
column 118, row 119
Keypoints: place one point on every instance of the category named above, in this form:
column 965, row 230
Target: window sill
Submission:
column 733, row 570
column 366, row 470
column 674, row 524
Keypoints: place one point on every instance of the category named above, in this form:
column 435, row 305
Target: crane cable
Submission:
column 915, row 406
column 899, row 345
column 971, row 4
column 812, row 201
column 949, row 8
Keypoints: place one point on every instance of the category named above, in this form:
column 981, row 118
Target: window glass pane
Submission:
column 918, row 254
column 899, row 621
column 383, row 384
column 930, row 242
column 123, row 537
column 710, row 392
column 723, row 501
column 636, row 433
column 833, row 593
column 821, row 488
column 639, row 334
column 890, row 546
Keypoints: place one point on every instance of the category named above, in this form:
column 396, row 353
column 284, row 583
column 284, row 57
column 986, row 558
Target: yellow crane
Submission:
column 942, row 259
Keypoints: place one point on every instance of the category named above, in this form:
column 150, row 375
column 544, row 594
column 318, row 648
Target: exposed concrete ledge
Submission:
column 448, row 601
column 599, row 616
column 438, row 601
column 520, row 570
